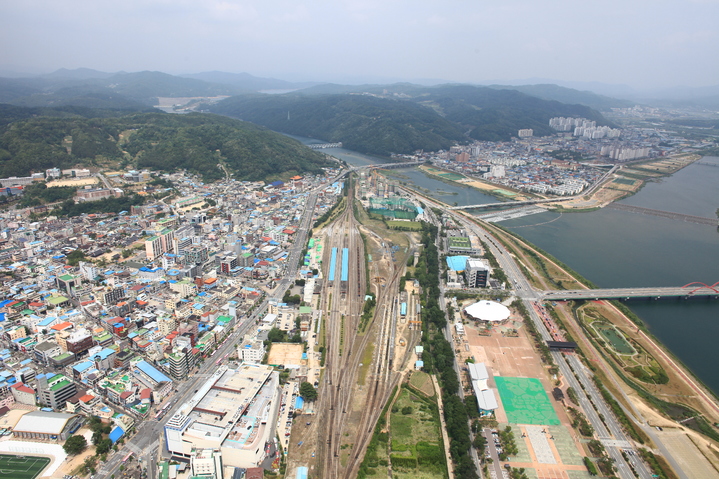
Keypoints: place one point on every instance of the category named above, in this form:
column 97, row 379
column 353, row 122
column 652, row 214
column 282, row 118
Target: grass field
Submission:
column 451, row 176
column 413, row 225
column 526, row 402
column 412, row 446
column 422, row 382
column 624, row 181
column 22, row 467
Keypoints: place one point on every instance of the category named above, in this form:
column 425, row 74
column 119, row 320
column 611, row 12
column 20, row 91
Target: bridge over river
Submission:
column 321, row 146
column 692, row 290
column 664, row 214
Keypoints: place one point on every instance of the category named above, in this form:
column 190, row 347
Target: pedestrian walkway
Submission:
column 445, row 438
column 540, row 444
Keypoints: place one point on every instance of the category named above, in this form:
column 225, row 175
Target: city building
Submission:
column 47, row 425
column 234, row 411
column 251, row 351
column 476, row 273
column 206, row 464
column 53, row 390
column 160, row 244
column 525, row 133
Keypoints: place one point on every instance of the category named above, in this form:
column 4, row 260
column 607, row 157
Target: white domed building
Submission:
column 488, row 311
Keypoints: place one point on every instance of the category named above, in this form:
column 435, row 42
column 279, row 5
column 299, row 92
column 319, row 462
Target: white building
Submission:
column 206, row 463
column 88, row 270
column 235, row 412
column 485, row 396
column 251, row 351
column 525, row 133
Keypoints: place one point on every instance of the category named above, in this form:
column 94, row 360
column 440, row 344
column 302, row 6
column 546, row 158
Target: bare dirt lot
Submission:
column 77, row 182
column 285, row 353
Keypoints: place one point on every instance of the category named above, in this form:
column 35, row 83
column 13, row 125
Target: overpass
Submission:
column 691, row 290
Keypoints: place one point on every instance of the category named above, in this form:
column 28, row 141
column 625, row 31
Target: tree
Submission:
column 103, row 446
column 75, row 445
column 308, row 391
column 96, row 437
column 276, row 335
column 74, row 258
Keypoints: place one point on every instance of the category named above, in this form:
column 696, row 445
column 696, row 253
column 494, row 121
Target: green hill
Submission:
column 569, row 96
column 497, row 115
column 195, row 142
column 361, row 122
column 402, row 118
column 120, row 90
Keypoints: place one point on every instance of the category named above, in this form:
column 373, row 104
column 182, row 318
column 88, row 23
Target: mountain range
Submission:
column 375, row 119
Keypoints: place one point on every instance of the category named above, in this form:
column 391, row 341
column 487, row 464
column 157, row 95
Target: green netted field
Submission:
column 526, row 402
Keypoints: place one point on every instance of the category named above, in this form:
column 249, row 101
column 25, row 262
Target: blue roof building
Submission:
column 153, row 374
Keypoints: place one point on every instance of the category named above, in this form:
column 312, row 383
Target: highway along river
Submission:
column 615, row 248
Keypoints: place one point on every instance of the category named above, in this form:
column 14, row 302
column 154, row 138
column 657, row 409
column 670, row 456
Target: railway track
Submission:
column 340, row 364
column 383, row 379
column 344, row 351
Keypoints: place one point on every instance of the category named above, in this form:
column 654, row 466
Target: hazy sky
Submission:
column 643, row 43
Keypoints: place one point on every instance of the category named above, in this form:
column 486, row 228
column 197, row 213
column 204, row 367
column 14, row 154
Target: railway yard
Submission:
column 361, row 364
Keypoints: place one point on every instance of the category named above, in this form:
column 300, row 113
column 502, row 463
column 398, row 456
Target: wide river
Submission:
column 624, row 249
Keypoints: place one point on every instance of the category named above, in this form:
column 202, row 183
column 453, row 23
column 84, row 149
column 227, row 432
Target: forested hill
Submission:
column 361, row 122
column 497, row 115
column 195, row 142
column 404, row 118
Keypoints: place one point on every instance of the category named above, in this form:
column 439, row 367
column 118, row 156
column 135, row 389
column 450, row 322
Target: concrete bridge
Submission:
column 665, row 214
column 511, row 204
column 691, row 290
column 707, row 163
column 393, row 166
column 320, row 146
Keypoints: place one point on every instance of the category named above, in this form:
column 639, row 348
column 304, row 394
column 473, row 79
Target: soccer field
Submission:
column 22, row 467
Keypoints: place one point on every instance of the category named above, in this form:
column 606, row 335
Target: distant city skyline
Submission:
column 645, row 45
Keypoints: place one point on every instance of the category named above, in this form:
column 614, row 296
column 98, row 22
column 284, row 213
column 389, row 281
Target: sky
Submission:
column 641, row 43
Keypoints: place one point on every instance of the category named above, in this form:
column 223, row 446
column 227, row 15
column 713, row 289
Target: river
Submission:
column 615, row 248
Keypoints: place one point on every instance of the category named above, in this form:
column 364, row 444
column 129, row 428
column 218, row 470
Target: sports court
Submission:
column 22, row 467
column 525, row 401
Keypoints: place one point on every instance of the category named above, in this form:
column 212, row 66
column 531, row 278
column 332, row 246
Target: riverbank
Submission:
column 453, row 178
column 627, row 181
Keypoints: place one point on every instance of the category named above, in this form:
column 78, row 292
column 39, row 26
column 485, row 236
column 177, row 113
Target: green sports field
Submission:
column 22, row 467
column 525, row 401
